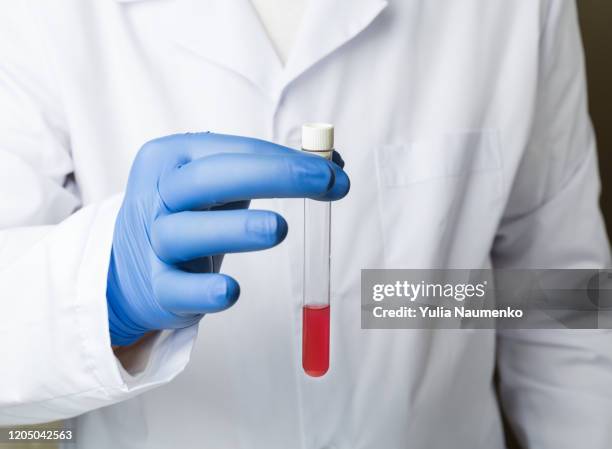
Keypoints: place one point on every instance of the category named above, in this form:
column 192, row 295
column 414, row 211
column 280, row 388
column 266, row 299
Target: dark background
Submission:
column 596, row 22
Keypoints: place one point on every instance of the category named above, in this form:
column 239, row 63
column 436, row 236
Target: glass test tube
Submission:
column 317, row 138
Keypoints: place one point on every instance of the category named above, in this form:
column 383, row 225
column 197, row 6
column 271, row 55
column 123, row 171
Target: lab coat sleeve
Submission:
column 556, row 385
column 56, row 358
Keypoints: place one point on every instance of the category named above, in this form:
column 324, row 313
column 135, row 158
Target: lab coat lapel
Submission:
column 227, row 33
column 230, row 34
column 326, row 26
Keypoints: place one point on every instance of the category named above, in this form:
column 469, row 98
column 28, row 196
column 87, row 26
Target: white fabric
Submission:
column 281, row 19
column 465, row 132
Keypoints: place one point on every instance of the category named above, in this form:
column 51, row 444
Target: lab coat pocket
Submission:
column 440, row 197
column 447, row 155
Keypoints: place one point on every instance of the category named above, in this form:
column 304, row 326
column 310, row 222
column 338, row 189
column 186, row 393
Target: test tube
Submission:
column 317, row 138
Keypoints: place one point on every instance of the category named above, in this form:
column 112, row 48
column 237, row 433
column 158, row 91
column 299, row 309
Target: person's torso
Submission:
column 431, row 123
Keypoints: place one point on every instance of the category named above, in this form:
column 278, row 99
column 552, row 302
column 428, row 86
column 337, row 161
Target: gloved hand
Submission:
column 185, row 206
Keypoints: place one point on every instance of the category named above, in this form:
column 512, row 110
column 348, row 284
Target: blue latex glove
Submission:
column 185, row 206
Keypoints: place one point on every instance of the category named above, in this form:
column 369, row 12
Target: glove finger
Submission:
column 337, row 158
column 225, row 178
column 185, row 236
column 341, row 186
column 181, row 293
column 200, row 145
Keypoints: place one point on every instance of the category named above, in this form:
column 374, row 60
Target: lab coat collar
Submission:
column 326, row 26
column 230, row 34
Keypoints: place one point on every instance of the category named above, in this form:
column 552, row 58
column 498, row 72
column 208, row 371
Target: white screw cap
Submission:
column 318, row 138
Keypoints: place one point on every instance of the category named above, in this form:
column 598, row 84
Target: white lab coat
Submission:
column 465, row 131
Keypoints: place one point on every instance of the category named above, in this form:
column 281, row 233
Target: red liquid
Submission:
column 315, row 340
